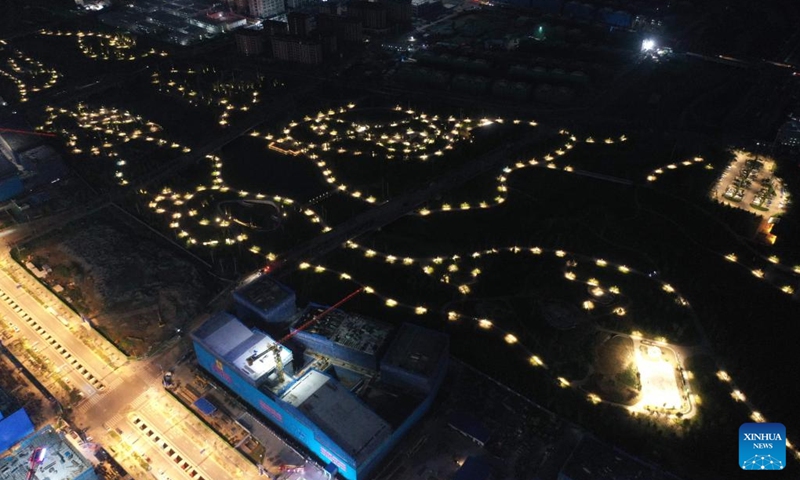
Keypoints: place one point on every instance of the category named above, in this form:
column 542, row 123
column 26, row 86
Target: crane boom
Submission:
column 275, row 346
column 27, row 132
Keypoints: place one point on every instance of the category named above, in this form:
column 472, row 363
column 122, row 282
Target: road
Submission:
column 156, row 428
column 60, row 368
column 86, row 366
column 113, row 387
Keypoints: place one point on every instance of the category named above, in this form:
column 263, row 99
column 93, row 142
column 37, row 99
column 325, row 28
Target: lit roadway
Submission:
column 184, row 435
column 133, row 387
column 44, row 350
column 53, row 326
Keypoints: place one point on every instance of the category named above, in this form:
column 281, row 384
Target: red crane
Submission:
column 27, row 132
column 275, row 347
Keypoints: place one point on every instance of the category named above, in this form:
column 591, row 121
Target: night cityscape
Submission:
column 399, row 239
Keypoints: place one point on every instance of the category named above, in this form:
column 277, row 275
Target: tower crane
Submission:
column 275, row 348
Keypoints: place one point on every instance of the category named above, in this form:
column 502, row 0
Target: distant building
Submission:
column 346, row 29
column 789, row 134
column 265, row 300
column 372, row 15
column 333, row 8
column 399, row 12
column 301, row 23
column 218, row 22
column 14, row 423
column 346, row 415
column 297, row 50
column 275, row 27
column 249, row 42
column 238, row 6
column 426, row 8
column 55, row 459
column 302, row 4
column 266, row 8
column 182, row 22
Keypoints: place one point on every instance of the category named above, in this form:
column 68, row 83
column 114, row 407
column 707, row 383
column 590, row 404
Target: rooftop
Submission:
column 228, row 338
column 340, row 414
column 347, row 329
column 61, row 461
column 469, row 426
column 264, row 292
column 416, row 349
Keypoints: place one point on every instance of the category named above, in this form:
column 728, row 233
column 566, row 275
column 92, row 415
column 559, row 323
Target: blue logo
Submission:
column 762, row 446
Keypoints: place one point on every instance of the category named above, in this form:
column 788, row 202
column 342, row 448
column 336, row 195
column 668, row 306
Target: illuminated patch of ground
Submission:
column 615, row 374
column 661, row 377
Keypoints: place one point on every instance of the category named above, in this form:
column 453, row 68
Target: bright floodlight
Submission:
column 648, row 45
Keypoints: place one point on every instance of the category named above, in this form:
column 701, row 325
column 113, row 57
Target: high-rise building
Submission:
column 296, row 49
column 249, row 42
column 399, row 12
column 266, row 8
column 346, row 29
column 238, row 6
column 301, row 23
column 371, row 14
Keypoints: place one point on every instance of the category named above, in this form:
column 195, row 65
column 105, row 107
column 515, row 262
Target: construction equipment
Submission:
column 275, row 348
column 27, row 132
column 36, row 459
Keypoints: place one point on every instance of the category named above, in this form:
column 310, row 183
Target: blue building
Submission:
column 14, row 423
column 265, row 299
column 350, row 425
column 10, row 181
column 414, row 359
column 344, row 336
column 59, row 459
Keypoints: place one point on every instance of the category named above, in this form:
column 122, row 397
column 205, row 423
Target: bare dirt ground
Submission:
column 131, row 284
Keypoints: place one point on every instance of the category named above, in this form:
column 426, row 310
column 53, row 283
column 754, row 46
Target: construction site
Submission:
column 344, row 387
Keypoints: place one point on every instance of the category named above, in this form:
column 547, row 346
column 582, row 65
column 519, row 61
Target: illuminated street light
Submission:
column 536, row 361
